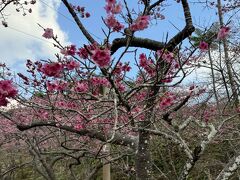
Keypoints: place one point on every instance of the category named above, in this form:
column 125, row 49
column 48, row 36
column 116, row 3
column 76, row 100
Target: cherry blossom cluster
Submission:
column 223, row 32
column 112, row 8
column 81, row 11
column 7, row 90
column 55, row 69
column 65, row 104
column 98, row 81
column 69, row 50
column 101, row 57
column 203, row 46
column 70, row 64
column 83, row 53
column 141, row 23
column 167, row 100
column 169, row 58
column 52, row 69
column 81, row 87
column 113, row 23
column 56, row 85
column 120, row 67
column 147, row 64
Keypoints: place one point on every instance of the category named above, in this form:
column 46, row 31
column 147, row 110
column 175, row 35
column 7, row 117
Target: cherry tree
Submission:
column 90, row 96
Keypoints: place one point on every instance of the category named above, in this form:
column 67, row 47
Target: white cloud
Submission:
column 16, row 47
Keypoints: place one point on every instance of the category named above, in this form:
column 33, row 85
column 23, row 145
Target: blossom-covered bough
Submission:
column 85, row 98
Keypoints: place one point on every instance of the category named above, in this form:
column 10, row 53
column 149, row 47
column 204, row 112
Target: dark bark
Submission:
column 119, row 139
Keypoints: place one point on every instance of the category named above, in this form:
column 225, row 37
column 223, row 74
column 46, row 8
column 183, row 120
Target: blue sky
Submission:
column 29, row 44
column 173, row 14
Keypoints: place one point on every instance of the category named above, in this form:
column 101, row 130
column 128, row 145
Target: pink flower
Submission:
column 81, row 87
column 69, row 50
column 3, row 102
column 143, row 60
column 7, row 89
column 223, row 32
column 82, row 52
column 203, row 46
column 117, row 8
column 111, row 2
column 168, row 57
column 87, row 14
column 101, row 57
column 78, row 127
column 167, row 80
column 147, row 64
column 52, row 69
column 167, row 100
column 48, row 33
column 118, row 69
column 51, row 86
column 96, row 81
column 120, row 86
column 108, row 8
column 113, row 23
column 70, row 65
column 141, row 23
column 126, row 68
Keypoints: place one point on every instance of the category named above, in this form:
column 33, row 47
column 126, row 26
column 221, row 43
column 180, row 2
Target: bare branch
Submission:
column 118, row 139
column 78, row 22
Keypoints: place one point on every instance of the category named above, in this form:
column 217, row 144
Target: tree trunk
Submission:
column 143, row 161
column 106, row 167
column 227, row 60
column 213, row 78
column 143, row 157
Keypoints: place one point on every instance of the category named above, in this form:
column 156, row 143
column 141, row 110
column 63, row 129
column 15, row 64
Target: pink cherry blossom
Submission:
column 7, row 90
column 102, row 57
column 223, row 32
column 111, row 2
column 82, row 53
column 3, row 101
column 108, row 8
column 141, row 23
column 168, row 57
column 126, row 68
column 71, row 64
column 78, row 127
column 69, row 50
column 147, row 64
column 52, row 69
column 117, row 8
column 48, row 33
column 113, row 23
column 81, row 87
column 203, row 46
column 51, row 86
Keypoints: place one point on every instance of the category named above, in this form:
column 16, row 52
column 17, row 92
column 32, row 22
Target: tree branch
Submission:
column 136, row 42
column 167, row 114
column 79, row 23
column 118, row 139
column 156, row 45
column 230, row 168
